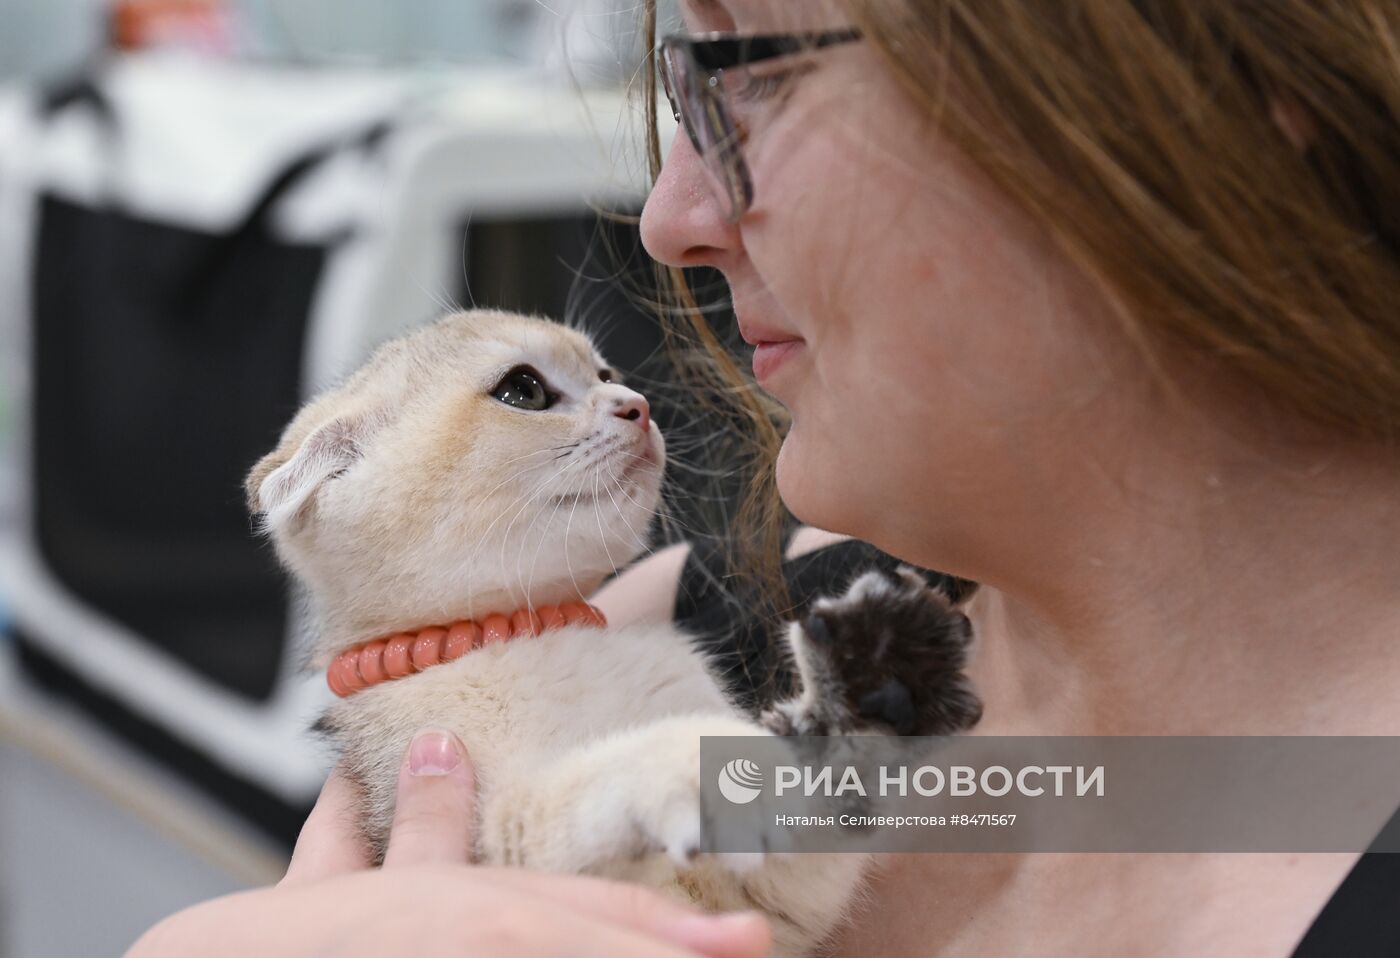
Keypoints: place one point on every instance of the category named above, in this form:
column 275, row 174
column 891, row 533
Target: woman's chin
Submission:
column 806, row 485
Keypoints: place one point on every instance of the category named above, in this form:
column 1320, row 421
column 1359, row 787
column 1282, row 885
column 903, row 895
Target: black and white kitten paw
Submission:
column 887, row 656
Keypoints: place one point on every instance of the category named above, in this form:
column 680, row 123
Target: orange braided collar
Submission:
column 408, row 652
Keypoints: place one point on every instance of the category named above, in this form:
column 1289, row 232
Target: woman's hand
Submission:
column 427, row 901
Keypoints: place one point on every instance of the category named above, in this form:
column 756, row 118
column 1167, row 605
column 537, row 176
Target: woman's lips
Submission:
column 772, row 346
column 768, row 356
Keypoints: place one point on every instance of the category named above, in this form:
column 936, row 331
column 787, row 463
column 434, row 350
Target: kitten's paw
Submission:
column 645, row 798
column 887, row 656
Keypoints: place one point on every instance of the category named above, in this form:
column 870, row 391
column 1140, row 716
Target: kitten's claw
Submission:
column 681, row 832
column 681, row 841
column 780, row 719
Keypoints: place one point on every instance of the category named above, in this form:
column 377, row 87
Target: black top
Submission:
column 1362, row 918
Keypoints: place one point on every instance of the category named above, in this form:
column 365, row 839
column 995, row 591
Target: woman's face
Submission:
column 941, row 363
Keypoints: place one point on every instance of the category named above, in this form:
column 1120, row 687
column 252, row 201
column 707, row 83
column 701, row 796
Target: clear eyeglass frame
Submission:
column 693, row 74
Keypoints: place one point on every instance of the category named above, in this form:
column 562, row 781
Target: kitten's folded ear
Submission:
column 284, row 482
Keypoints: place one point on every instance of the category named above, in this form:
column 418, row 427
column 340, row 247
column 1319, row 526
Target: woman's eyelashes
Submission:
column 524, row 388
column 753, row 94
column 750, row 86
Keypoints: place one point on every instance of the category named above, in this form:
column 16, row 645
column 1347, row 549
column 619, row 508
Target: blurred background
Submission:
column 209, row 209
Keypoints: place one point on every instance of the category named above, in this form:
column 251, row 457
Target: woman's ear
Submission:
column 284, row 482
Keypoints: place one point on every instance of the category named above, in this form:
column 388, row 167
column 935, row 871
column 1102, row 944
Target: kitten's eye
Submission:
column 606, row 375
column 524, row 388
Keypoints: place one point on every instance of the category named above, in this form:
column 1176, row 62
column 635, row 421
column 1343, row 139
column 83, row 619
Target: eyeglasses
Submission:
column 714, row 94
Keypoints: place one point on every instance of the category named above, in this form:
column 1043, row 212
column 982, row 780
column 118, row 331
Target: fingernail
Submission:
column 433, row 752
column 702, row 929
column 738, row 919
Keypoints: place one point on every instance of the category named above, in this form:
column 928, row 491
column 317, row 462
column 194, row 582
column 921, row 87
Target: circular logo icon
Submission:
column 740, row 781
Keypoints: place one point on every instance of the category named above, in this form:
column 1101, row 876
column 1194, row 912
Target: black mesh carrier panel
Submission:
column 155, row 389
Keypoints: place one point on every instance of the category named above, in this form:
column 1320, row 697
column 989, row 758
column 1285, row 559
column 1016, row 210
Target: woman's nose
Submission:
column 682, row 222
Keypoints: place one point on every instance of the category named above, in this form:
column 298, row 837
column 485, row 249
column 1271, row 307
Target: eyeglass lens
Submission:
column 702, row 114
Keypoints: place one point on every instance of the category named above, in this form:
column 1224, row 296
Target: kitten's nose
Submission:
column 634, row 409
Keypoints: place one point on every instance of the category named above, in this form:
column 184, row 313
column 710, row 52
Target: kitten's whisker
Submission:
column 701, row 471
column 661, row 512
column 527, row 455
column 519, row 498
column 686, row 467
column 607, row 487
column 442, row 300
column 520, row 556
column 520, row 551
column 598, row 514
column 506, row 541
column 525, row 538
column 568, row 562
column 535, row 563
column 492, row 491
column 616, row 481
column 528, row 500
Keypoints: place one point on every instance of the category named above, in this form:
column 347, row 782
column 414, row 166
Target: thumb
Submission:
column 435, row 811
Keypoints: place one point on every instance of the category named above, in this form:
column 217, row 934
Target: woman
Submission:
column 1093, row 302
column 1107, row 292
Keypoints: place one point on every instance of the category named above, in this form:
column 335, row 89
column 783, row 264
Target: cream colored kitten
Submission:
column 480, row 465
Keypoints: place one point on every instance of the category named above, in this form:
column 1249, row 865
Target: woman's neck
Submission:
column 1265, row 599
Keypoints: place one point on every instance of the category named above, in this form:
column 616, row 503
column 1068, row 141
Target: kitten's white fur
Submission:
column 410, row 497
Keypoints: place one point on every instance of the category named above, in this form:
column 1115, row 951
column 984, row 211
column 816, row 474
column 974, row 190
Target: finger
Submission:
column 734, row 935
column 329, row 843
column 434, row 811
column 601, row 937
